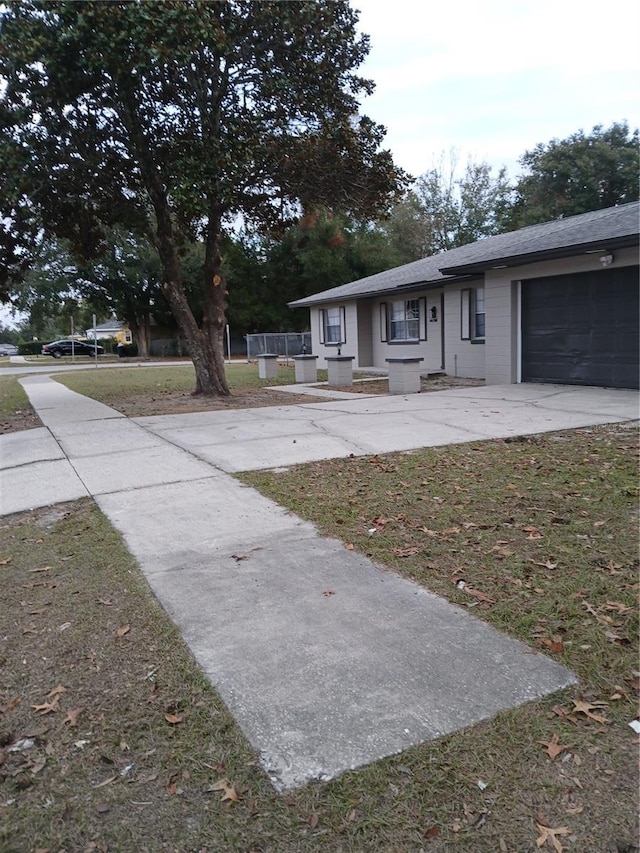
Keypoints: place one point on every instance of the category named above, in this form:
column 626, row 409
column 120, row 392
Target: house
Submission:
column 556, row 302
column 113, row 329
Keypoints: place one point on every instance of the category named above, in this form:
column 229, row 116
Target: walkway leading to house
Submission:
column 326, row 661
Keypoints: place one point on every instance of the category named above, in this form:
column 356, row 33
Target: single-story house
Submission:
column 556, row 302
column 112, row 329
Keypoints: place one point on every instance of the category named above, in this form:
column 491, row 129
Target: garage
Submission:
column 582, row 329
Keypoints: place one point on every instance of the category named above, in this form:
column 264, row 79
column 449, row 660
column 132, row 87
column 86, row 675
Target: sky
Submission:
column 493, row 78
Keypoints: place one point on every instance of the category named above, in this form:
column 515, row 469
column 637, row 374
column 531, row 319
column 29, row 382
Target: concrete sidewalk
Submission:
column 319, row 682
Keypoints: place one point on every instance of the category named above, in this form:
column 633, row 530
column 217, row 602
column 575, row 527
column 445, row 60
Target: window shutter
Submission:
column 322, row 319
column 465, row 314
column 343, row 325
column 422, row 314
column 383, row 322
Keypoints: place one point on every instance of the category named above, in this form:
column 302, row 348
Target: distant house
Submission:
column 113, row 329
column 556, row 302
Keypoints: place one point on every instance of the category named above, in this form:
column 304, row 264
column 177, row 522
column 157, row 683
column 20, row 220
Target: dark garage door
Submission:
column 582, row 329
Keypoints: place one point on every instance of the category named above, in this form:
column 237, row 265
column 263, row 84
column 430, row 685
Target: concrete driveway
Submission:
column 271, row 437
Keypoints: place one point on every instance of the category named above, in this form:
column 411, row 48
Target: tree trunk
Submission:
column 139, row 325
column 215, row 295
column 206, row 345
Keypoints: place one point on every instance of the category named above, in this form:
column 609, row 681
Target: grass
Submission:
column 15, row 407
column 542, row 527
column 109, row 386
column 137, row 392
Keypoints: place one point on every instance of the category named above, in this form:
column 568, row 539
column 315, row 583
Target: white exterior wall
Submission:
column 349, row 347
column 502, row 294
column 429, row 350
column 461, row 358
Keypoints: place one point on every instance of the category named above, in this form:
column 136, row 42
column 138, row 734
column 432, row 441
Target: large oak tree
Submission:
column 188, row 115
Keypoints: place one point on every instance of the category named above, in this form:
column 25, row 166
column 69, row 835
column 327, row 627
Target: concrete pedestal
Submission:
column 267, row 366
column 340, row 369
column 306, row 368
column 404, row 375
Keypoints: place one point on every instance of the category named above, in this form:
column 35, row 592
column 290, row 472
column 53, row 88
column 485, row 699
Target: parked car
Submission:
column 59, row 348
column 8, row 349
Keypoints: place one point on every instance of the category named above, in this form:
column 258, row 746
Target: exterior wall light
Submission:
column 606, row 260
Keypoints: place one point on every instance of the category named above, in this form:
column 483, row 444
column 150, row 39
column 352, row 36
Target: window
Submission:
column 332, row 326
column 403, row 320
column 472, row 315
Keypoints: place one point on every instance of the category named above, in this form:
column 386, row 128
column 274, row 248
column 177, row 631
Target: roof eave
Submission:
column 476, row 267
column 311, row 301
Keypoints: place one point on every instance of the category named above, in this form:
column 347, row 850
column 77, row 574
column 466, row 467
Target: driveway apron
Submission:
column 327, row 661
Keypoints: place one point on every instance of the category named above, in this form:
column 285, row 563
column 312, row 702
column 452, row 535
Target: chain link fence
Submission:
column 285, row 345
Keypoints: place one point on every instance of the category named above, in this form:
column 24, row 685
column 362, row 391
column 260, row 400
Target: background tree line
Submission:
column 447, row 206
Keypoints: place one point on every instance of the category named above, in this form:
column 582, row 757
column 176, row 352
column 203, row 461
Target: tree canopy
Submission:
column 182, row 117
column 446, row 208
column 583, row 172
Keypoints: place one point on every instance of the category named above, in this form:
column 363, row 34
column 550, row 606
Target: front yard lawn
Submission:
column 111, row 740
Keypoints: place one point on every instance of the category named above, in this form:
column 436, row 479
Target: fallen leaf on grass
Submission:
column 432, row 832
column 72, row 717
column 174, row 719
column 634, row 683
column 475, row 593
column 349, row 546
column 38, row 766
column 554, row 747
column 533, row 532
column 587, row 708
column 106, row 782
column 48, row 707
column 590, row 609
column 313, row 820
column 555, row 645
column 5, row 562
column 551, row 834
column 405, row 552
column 618, row 606
column 56, row 691
column 41, row 569
column 107, row 602
column 124, row 629
column 617, row 639
column 229, row 793
column 546, row 565
column 146, row 778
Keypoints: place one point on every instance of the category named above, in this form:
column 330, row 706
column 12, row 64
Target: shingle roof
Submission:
column 597, row 230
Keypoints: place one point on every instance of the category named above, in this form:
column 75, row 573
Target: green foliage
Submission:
column 583, row 172
column 30, row 347
column 324, row 250
column 184, row 114
column 444, row 210
column 9, row 335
